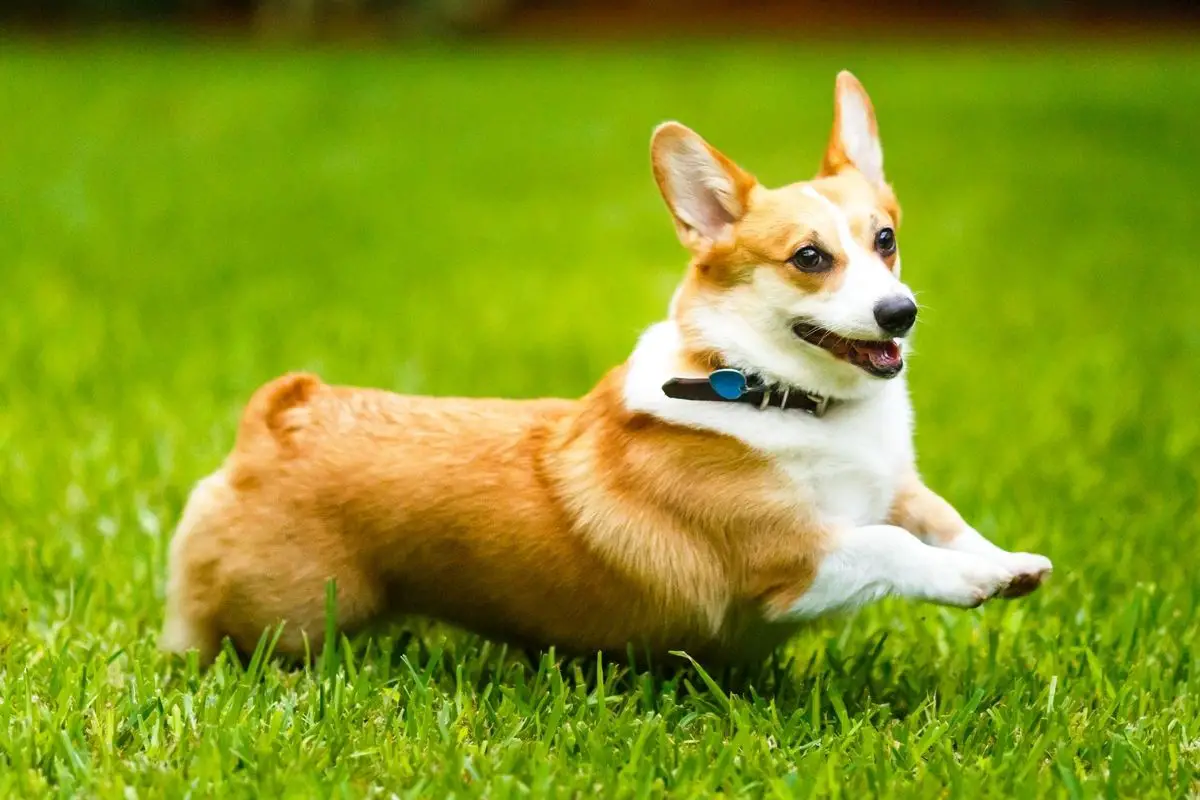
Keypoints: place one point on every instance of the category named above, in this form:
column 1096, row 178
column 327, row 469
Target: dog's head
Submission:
column 800, row 284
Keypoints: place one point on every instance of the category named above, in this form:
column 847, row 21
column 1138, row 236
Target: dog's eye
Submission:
column 810, row 259
column 885, row 241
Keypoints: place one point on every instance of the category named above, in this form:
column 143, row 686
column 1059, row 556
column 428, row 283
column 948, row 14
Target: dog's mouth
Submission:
column 881, row 358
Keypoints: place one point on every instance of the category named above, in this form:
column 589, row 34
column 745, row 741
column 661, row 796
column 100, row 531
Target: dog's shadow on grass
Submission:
column 815, row 678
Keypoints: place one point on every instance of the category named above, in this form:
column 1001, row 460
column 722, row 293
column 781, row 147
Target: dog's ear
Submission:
column 855, row 138
column 706, row 192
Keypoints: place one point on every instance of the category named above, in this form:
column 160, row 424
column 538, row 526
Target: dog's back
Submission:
column 452, row 508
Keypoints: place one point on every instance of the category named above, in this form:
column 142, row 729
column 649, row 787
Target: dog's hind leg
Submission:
column 193, row 593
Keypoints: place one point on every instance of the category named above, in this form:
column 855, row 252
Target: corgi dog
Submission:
column 748, row 468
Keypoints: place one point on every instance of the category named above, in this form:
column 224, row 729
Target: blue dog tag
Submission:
column 728, row 383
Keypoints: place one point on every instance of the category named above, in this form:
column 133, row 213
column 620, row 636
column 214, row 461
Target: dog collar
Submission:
column 733, row 386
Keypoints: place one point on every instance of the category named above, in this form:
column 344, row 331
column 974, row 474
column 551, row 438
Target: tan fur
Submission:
column 919, row 510
column 548, row 522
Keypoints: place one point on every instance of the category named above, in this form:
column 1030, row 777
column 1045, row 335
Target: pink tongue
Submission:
column 884, row 355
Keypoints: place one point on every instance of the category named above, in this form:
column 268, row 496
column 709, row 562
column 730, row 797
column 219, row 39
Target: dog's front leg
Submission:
column 922, row 512
column 860, row 565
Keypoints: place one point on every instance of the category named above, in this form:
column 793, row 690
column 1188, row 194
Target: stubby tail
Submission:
column 277, row 411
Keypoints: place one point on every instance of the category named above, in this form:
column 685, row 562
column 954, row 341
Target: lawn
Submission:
column 179, row 223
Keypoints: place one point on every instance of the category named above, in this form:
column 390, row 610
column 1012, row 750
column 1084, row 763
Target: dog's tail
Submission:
column 276, row 413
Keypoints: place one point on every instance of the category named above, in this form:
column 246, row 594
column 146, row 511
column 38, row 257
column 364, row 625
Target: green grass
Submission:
column 180, row 223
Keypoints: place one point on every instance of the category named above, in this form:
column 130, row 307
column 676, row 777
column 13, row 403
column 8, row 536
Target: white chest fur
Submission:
column 845, row 465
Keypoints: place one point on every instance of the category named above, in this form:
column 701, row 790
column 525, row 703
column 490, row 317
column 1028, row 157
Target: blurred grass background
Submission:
column 182, row 221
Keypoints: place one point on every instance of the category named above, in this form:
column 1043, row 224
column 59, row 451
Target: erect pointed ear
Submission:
column 855, row 138
column 706, row 192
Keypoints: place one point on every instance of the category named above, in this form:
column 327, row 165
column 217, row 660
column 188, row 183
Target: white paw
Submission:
column 970, row 580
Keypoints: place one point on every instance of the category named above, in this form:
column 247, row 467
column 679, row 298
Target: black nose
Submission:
column 896, row 314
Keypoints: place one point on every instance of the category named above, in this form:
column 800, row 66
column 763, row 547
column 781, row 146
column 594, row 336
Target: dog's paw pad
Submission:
column 1029, row 571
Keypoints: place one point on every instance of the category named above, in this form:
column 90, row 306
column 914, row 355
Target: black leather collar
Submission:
column 753, row 392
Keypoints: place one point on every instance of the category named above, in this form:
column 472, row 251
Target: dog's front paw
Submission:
column 1028, row 571
column 971, row 582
